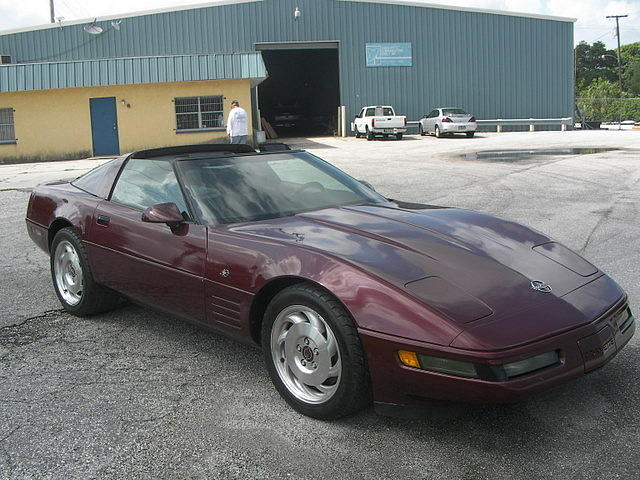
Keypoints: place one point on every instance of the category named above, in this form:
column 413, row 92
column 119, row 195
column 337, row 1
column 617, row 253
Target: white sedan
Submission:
column 447, row 121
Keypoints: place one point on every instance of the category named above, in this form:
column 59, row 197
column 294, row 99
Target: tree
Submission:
column 630, row 55
column 602, row 101
column 594, row 62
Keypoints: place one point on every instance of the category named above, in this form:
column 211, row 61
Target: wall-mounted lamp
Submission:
column 297, row 14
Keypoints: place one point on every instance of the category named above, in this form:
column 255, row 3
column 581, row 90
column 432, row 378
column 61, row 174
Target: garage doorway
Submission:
column 300, row 98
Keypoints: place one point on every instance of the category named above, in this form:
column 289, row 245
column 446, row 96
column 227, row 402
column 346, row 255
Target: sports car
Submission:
column 353, row 297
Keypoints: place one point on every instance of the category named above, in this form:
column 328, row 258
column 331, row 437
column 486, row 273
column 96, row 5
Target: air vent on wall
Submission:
column 5, row 59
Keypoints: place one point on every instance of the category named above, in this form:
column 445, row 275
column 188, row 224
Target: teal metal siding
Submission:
column 497, row 66
column 125, row 71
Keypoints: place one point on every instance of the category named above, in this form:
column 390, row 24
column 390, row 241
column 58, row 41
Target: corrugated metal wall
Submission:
column 497, row 66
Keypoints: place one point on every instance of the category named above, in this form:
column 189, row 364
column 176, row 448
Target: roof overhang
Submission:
column 132, row 70
column 220, row 3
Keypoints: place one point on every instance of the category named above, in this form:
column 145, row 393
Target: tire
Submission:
column 422, row 132
column 313, row 353
column 437, row 132
column 72, row 280
column 358, row 134
column 470, row 134
column 369, row 134
column 398, row 136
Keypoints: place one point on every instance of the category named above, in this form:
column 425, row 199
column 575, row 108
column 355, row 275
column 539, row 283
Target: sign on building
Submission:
column 389, row 55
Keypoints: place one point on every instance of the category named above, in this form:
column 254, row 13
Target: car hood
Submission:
column 470, row 267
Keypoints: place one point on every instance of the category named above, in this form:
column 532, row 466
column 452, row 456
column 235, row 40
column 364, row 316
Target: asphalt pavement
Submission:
column 134, row 394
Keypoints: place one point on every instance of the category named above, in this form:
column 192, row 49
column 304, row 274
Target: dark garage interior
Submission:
column 302, row 94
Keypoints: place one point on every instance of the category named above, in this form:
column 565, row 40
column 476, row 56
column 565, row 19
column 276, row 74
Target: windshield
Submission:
column 384, row 111
column 453, row 111
column 256, row 187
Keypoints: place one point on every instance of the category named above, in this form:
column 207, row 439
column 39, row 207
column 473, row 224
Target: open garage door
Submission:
column 302, row 94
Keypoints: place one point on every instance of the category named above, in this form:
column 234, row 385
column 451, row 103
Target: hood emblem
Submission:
column 540, row 286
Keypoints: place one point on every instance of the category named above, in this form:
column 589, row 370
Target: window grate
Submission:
column 193, row 113
column 7, row 127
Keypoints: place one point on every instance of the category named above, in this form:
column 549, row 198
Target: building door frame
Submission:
column 104, row 126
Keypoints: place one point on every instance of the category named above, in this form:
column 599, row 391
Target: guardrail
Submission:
column 532, row 122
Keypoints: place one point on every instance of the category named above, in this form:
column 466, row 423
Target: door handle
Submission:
column 103, row 220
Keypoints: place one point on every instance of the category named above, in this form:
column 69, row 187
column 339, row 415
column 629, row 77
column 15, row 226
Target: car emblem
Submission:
column 541, row 286
column 225, row 273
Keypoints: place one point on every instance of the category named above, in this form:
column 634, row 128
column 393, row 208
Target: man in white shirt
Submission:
column 237, row 123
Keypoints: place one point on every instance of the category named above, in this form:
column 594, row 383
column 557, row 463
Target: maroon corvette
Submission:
column 353, row 297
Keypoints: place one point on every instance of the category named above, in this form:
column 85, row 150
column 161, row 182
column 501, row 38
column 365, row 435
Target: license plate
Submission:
column 388, row 130
column 462, row 128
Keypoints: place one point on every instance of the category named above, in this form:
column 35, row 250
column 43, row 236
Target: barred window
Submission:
column 199, row 112
column 7, row 128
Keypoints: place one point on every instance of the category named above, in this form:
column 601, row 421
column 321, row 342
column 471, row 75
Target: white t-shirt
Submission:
column 237, row 122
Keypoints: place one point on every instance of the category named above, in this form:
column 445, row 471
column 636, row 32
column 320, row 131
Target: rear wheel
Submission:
column 470, row 134
column 398, row 136
column 72, row 278
column 369, row 134
column 313, row 353
column 437, row 132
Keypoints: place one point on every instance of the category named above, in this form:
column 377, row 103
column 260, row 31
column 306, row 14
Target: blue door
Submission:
column 104, row 126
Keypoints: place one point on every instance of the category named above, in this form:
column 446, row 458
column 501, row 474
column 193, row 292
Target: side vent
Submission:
column 5, row 59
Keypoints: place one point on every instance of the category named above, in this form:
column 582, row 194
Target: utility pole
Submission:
column 617, row 17
column 52, row 9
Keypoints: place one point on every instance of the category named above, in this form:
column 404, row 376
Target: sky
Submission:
column 591, row 25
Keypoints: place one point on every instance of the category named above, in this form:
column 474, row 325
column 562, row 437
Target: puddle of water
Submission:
column 519, row 155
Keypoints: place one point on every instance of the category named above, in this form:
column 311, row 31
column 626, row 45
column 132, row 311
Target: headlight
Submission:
column 491, row 373
column 529, row 365
column 438, row 364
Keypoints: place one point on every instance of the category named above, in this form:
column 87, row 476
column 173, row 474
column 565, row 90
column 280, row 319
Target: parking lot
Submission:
column 137, row 394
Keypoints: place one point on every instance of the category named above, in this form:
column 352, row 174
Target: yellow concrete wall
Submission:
column 52, row 124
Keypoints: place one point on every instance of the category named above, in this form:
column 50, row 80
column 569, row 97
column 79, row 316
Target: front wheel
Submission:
column 422, row 132
column 437, row 132
column 72, row 279
column 313, row 353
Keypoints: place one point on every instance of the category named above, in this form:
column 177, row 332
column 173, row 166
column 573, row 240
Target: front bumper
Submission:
column 452, row 127
column 581, row 350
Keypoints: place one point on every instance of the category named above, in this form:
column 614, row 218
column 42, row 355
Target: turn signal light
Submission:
column 410, row 359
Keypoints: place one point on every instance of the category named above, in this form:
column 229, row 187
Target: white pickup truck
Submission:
column 379, row 120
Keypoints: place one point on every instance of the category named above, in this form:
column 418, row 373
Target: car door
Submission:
column 358, row 122
column 149, row 262
column 430, row 121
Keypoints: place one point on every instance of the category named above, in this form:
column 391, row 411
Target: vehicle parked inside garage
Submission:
column 352, row 296
column 447, row 121
column 379, row 120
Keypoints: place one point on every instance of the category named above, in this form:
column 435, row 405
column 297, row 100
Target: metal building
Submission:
column 320, row 54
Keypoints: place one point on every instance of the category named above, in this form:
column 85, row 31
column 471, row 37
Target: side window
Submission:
column 143, row 183
column 7, row 127
column 371, row 112
column 434, row 113
column 361, row 114
column 193, row 113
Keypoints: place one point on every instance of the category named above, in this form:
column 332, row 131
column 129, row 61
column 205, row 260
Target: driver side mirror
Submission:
column 163, row 213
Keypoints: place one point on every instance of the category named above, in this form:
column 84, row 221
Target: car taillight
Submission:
column 405, row 121
column 373, row 122
column 472, row 119
column 446, row 120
